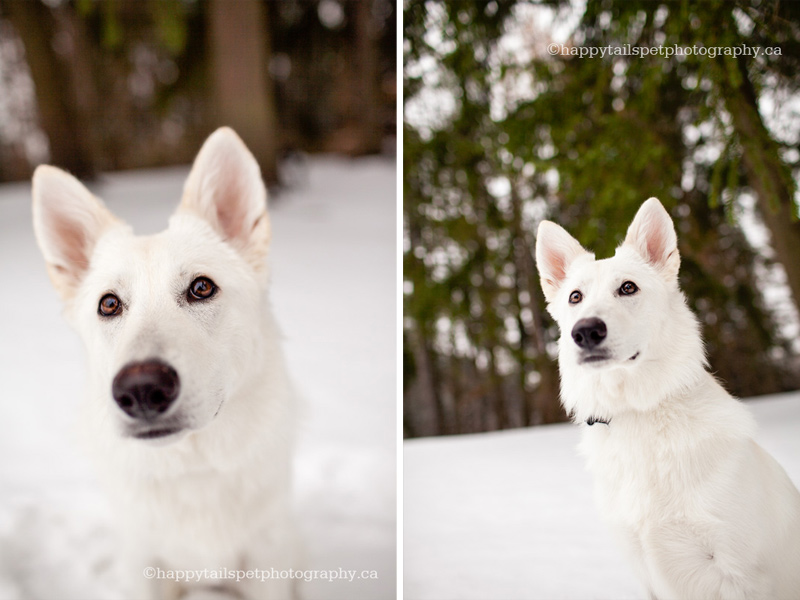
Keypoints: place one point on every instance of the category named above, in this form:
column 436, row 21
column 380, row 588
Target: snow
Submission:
column 333, row 292
column 510, row 514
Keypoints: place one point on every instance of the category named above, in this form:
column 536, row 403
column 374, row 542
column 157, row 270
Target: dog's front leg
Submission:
column 144, row 578
column 272, row 557
column 210, row 593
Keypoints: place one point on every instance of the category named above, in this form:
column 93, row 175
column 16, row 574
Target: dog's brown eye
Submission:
column 202, row 288
column 109, row 306
column 575, row 297
column 628, row 288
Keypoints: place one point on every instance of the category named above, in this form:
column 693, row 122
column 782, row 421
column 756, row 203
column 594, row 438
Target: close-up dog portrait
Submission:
column 197, row 215
column 601, row 390
column 190, row 408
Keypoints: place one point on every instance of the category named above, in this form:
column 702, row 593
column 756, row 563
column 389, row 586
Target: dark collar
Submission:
column 592, row 420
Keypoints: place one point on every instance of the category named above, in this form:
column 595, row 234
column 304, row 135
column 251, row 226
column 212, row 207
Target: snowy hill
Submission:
column 510, row 515
column 333, row 290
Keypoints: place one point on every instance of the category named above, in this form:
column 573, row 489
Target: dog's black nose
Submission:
column 145, row 390
column 589, row 333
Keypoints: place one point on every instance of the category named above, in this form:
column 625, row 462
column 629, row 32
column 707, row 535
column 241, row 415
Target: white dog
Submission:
column 703, row 511
column 190, row 411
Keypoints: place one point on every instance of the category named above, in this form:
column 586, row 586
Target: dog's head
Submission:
column 615, row 315
column 167, row 319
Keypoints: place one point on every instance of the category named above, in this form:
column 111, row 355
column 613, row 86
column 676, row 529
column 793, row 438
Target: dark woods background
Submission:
column 500, row 134
column 116, row 84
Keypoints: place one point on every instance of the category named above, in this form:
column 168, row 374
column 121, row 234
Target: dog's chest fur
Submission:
column 646, row 467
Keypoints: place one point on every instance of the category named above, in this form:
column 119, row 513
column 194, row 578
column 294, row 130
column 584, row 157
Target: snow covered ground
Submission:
column 510, row 514
column 333, row 290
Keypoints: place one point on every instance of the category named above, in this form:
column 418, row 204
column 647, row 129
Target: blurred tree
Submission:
column 739, row 81
column 63, row 81
column 499, row 134
column 366, row 78
column 243, row 95
column 125, row 83
column 336, row 91
column 474, row 308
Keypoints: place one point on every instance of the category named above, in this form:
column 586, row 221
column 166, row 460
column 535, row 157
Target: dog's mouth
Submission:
column 601, row 357
column 163, row 432
column 156, row 433
column 595, row 358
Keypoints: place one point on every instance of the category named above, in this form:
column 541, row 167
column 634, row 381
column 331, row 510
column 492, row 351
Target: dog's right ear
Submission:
column 652, row 235
column 67, row 220
column 225, row 189
column 555, row 251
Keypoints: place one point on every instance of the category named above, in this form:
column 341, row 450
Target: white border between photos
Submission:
column 399, row 296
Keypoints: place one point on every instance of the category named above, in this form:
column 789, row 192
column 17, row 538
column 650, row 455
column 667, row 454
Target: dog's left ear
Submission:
column 225, row 188
column 652, row 235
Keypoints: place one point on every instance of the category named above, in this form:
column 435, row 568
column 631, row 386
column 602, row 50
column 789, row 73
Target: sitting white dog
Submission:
column 703, row 511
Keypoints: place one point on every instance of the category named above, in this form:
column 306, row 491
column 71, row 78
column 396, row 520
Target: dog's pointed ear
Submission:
column 555, row 251
column 225, row 188
column 652, row 235
column 67, row 221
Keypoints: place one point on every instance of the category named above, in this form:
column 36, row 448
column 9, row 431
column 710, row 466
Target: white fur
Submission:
column 216, row 494
column 702, row 510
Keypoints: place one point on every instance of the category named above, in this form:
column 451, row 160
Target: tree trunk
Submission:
column 57, row 95
column 499, row 404
column 242, row 87
column 766, row 174
column 428, row 398
column 545, row 407
column 366, row 73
